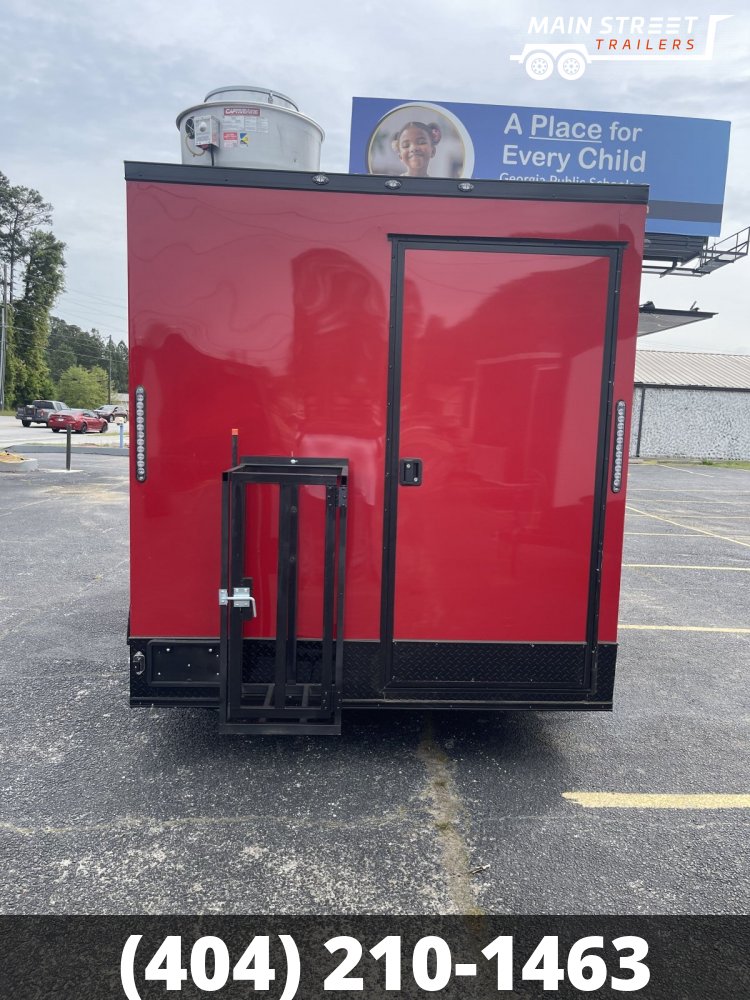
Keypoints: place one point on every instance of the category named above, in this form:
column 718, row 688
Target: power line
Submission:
column 87, row 351
column 55, row 336
column 93, row 303
column 86, row 308
column 92, row 295
column 104, row 332
column 71, row 302
column 93, row 317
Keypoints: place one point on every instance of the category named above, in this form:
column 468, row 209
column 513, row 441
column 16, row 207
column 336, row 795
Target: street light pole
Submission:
column 109, row 383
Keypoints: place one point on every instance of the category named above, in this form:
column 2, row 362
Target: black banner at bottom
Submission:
column 284, row 958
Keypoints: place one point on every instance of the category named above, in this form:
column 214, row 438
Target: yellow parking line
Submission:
column 703, row 531
column 635, row 800
column 683, row 628
column 728, row 569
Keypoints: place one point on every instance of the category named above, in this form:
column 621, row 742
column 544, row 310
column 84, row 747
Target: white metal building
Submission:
column 689, row 405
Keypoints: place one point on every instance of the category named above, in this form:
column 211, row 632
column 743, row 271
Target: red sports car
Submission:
column 80, row 421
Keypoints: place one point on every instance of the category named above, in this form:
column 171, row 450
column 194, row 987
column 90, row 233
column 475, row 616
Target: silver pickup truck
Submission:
column 38, row 412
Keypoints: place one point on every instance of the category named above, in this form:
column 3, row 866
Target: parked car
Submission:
column 112, row 411
column 39, row 411
column 80, row 421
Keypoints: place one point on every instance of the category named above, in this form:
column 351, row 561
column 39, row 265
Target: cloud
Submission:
column 97, row 83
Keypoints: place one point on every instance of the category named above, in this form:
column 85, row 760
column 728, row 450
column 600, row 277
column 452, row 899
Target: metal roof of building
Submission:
column 714, row 371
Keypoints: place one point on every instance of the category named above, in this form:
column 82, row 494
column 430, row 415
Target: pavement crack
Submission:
column 444, row 806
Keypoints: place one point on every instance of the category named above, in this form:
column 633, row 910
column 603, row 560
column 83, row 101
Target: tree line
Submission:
column 45, row 357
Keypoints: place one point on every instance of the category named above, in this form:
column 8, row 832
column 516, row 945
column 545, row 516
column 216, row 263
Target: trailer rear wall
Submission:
column 462, row 353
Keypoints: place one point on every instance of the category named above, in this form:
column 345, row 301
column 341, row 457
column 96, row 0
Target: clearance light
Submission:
column 140, row 434
column 320, row 179
column 465, row 186
column 393, row 184
column 619, row 447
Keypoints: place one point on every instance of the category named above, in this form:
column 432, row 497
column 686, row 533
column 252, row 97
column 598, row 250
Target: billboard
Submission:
column 684, row 160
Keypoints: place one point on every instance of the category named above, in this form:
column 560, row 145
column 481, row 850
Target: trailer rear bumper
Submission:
column 483, row 676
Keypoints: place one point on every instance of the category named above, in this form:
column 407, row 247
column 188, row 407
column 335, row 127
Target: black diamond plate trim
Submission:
column 486, row 695
column 461, row 664
column 363, row 670
column 606, row 660
column 515, row 697
column 363, row 677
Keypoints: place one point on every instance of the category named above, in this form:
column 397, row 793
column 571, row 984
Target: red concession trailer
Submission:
column 379, row 438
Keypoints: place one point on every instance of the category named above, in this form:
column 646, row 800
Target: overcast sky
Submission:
column 87, row 84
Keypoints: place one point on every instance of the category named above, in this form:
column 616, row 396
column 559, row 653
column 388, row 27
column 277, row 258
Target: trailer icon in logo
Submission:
column 539, row 61
column 541, row 58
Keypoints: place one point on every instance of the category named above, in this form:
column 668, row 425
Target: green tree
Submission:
column 70, row 345
column 119, row 367
column 28, row 374
column 83, row 387
column 23, row 213
column 35, row 262
column 60, row 357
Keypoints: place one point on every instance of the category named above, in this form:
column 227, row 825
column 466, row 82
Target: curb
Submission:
column 51, row 449
column 19, row 468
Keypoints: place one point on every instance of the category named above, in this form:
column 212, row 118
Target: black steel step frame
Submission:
column 283, row 705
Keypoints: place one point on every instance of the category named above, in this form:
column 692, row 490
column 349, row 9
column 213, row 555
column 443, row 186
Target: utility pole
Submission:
column 109, row 383
column 3, row 335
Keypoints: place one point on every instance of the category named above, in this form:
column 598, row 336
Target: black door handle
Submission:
column 410, row 472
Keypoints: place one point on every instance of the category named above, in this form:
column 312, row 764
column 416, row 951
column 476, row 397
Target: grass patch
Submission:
column 725, row 465
column 715, row 462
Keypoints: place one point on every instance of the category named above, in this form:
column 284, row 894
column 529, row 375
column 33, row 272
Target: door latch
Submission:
column 410, row 472
column 241, row 598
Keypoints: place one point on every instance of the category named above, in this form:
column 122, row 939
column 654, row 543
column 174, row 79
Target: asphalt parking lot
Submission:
column 105, row 809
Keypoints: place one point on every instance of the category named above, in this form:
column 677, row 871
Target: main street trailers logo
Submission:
column 658, row 39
